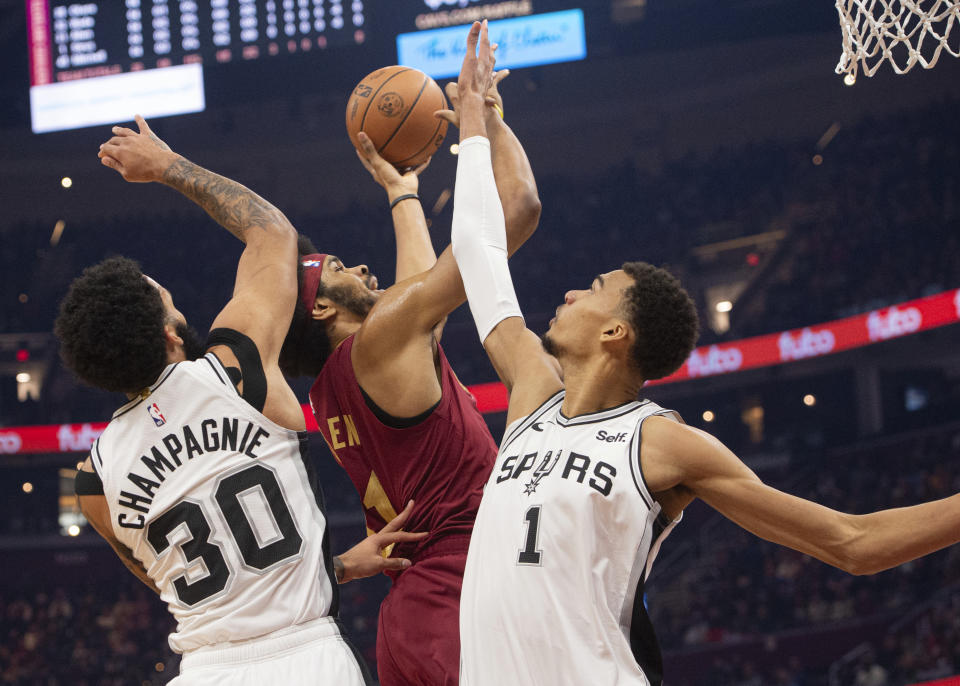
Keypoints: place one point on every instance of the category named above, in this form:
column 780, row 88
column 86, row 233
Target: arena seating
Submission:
column 725, row 604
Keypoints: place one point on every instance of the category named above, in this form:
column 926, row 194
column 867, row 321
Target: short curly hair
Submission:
column 663, row 317
column 110, row 327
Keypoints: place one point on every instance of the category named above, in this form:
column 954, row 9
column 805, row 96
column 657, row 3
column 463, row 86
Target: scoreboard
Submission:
column 101, row 62
column 94, row 63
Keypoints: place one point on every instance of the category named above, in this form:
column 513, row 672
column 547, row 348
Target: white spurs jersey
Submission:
column 219, row 504
column 564, row 539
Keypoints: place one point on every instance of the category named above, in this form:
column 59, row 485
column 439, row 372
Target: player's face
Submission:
column 335, row 273
column 173, row 314
column 193, row 347
column 584, row 314
column 355, row 288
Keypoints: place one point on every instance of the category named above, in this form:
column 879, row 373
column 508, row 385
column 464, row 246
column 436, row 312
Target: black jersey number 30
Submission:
column 531, row 554
column 199, row 546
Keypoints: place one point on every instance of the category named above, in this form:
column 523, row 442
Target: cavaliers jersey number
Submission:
column 238, row 496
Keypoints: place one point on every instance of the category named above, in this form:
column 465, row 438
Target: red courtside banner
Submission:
column 952, row 681
column 821, row 339
column 899, row 320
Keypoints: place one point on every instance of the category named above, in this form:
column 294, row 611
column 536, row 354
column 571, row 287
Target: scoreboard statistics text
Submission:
column 100, row 62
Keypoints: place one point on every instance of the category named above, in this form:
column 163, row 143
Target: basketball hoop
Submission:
column 902, row 32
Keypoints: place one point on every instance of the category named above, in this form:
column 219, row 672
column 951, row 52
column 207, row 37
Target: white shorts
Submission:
column 311, row 653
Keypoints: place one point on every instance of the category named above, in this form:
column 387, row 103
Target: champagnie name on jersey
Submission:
column 174, row 450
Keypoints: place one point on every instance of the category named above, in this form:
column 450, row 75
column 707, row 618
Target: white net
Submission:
column 902, row 32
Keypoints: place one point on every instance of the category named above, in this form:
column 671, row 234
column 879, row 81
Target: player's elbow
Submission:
column 283, row 229
column 854, row 554
column 271, row 225
column 524, row 216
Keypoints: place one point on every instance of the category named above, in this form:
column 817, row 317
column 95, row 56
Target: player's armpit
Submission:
column 681, row 457
column 529, row 373
column 97, row 512
column 265, row 292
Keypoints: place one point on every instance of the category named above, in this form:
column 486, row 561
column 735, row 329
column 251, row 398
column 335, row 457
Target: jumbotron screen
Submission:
column 95, row 63
column 100, row 62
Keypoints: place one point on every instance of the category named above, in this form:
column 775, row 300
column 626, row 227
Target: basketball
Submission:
column 395, row 106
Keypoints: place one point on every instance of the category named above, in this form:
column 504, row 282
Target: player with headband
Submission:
column 589, row 480
column 391, row 408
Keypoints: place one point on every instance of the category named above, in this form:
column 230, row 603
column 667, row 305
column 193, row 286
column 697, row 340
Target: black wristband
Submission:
column 401, row 198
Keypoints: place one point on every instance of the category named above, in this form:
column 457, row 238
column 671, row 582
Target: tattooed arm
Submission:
column 265, row 290
column 143, row 157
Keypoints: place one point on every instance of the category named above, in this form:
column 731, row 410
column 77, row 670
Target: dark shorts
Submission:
column 418, row 637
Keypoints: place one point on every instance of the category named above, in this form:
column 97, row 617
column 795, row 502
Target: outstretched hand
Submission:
column 476, row 73
column 493, row 98
column 365, row 558
column 138, row 157
column 476, row 78
column 384, row 173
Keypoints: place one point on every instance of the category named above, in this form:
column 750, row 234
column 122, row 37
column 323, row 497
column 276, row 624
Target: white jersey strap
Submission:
column 518, row 426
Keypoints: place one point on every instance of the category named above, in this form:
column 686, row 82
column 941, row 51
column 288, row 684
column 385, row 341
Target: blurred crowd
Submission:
column 887, row 203
column 110, row 630
column 925, row 649
column 106, row 634
column 730, row 600
column 736, row 589
column 880, row 214
column 880, row 227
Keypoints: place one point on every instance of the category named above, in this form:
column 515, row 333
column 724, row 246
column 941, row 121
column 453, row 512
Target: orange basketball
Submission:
column 395, row 106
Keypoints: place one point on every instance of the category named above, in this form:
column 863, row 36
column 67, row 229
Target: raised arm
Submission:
column 441, row 291
column 683, row 458
column 479, row 245
column 415, row 252
column 265, row 290
column 516, row 185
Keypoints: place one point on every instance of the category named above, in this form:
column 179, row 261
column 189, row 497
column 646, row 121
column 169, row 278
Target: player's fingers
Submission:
column 492, row 59
column 453, row 92
column 472, row 37
column 400, row 537
column 108, row 161
column 484, row 43
column 365, row 162
column 367, row 147
column 110, row 148
column 397, row 522
column 448, row 115
column 396, row 563
column 499, row 76
column 423, row 166
column 122, row 131
column 142, row 124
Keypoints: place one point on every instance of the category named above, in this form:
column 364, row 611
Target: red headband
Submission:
column 312, row 271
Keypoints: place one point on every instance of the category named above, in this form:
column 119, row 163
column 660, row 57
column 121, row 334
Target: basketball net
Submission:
column 902, row 32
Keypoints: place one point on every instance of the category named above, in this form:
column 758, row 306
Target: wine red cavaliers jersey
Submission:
column 441, row 459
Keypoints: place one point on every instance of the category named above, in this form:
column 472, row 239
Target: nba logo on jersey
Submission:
column 156, row 415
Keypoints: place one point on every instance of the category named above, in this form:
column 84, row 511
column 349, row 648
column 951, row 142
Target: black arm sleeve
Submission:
column 88, row 483
column 251, row 368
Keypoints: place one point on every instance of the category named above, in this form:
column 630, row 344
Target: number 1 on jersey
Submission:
column 530, row 555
